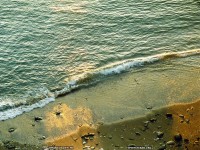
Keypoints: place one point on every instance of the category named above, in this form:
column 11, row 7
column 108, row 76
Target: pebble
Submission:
column 170, row 143
column 186, row 141
column 160, row 134
column 169, row 115
column 146, row 123
column 38, row 119
column 110, row 136
column 137, row 133
column 187, row 120
column 153, row 119
column 162, row 147
column 58, row 113
column 178, row 137
column 181, row 116
column 11, row 130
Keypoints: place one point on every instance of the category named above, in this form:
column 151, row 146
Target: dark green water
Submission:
column 45, row 43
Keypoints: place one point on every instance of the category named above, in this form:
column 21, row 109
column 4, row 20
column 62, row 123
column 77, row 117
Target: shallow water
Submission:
column 44, row 44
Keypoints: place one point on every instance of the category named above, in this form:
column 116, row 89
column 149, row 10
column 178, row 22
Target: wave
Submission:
column 11, row 110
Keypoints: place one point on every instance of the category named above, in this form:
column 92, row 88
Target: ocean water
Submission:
column 50, row 47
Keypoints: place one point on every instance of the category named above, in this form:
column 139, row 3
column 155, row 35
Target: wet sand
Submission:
column 173, row 127
column 125, row 110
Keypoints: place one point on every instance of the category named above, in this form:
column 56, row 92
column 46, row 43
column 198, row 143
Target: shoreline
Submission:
column 123, row 101
column 172, row 127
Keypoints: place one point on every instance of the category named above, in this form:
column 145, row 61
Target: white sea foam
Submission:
column 11, row 111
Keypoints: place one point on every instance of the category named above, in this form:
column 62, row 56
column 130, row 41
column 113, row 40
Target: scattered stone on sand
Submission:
column 181, row 116
column 58, row 113
column 169, row 115
column 160, row 134
column 187, row 120
column 37, row 119
column 186, row 141
column 42, row 138
column 170, row 143
column 146, row 123
column 131, row 145
column 153, row 120
column 162, row 147
column 137, row 133
column 110, row 136
column 149, row 107
column 11, row 130
column 178, row 137
column 9, row 145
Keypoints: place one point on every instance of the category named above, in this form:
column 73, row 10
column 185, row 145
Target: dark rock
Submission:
column 178, row 137
column 181, row 116
column 146, row 123
column 159, row 127
column 160, row 134
column 186, row 141
column 149, row 107
column 169, row 115
column 137, row 133
column 131, row 139
column 11, row 130
column 170, row 143
column 131, row 146
column 187, row 120
column 58, row 113
column 162, row 147
column 42, row 138
column 9, row 145
column 110, row 136
column 38, row 119
column 153, row 120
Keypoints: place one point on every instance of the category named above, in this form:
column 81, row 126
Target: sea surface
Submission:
column 51, row 47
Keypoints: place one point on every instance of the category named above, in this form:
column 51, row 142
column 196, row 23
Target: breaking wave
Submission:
column 10, row 109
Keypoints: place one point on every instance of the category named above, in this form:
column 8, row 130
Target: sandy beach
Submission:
column 145, row 113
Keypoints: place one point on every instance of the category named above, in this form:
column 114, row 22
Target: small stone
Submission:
column 181, row 116
column 162, row 147
column 187, row 120
column 137, row 133
column 91, row 134
column 196, row 142
column 84, row 142
column 42, row 138
column 11, row 130
column 149, row 107
column 153, row 120
column 178, row 137
column 169, row 115
column 131, row 145
column 159, row 127
column 146, row 123
column 110, row 136
column 131, row 139
column 38, row 119
column 170, row 143
column 58, row 113
column 186, row 141
column 160, row 134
